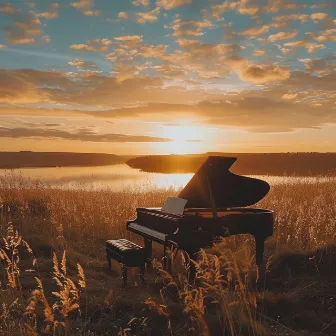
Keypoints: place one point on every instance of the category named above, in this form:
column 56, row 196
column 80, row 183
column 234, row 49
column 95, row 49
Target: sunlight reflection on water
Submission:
column 122, row 177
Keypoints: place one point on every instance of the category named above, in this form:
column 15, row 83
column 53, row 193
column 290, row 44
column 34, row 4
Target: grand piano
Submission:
column 217, row 205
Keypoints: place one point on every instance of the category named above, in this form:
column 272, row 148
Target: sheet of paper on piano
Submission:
column 174, row 205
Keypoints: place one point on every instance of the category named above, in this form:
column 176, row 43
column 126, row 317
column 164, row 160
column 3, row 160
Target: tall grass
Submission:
column 54, row 220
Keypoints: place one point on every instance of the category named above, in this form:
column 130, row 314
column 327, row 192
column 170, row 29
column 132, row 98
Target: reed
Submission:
column 41, row 294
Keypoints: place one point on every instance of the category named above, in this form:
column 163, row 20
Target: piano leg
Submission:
column 169, row 261
column 148, row 247
column 167, row 258
column 260, row 243
column 142, row 274
column 164, row 257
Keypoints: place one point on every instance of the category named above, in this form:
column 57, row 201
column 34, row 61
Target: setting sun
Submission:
column 185, row 139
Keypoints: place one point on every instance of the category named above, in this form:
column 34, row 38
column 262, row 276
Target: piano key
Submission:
column 142, row 229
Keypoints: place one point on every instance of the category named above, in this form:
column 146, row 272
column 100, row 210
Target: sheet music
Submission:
column 174, row 205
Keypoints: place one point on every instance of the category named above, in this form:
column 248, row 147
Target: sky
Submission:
column 168, row 76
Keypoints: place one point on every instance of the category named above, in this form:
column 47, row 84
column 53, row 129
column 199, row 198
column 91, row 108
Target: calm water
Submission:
column 118, row 177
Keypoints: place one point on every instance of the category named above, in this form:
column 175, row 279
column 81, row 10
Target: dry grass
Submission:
column 45, row 297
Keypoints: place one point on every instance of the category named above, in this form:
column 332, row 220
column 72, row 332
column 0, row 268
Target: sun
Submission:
column 185, row 139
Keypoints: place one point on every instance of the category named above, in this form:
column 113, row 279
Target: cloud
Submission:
column 122, row 16
column 269, row 110
column 8, row 9
column 151, row 16
column 80, row 135
column 80, row 63
column 310, row 46
column 149, row 51
column 86, row 7
column 144, row 3
column 24, row 28
column 205, row 50
column 244, row 9
column 281, row 21
column 97, row 45
column 94, row 90
column 51, row 13
column 289, row 96
column 171, row 4
column 255, row 31
column 255, row 73
column 169, row 71
column 282, row 36
column 264, row 73
column 190, row 27
column 327, row 35
column 3, row 46
column 319, row 16
column 258, row 52
column 318, row 65
column 217, row 10
column 278, row 5
column 129, row 41
column 298, row 101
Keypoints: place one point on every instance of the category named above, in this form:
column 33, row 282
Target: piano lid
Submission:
column 227, row 189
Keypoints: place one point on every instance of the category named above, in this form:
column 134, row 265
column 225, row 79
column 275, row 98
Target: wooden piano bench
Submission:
column 128, row 254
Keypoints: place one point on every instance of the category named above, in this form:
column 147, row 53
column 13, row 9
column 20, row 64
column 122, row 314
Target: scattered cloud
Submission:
column 80, row 63
column 86, row 7
column 25, row 27
column 318, row 65
column 319, row 16
column 85, row 134
column 151, row 16
column 129, row 41
column 217, row 10
column 8, row 9
column 283, row 36
column 171, row 4
column 190, row 27
column 51, row 13
column 206, row 50
column 122, row 16
column 282, row 21
column 144, row 3
column 97, row 45
column 289, row 96
column 255, row 31
column 149, row 51
column 328, row 35
column 310, row 46
column 264, row 73
column 258, row 52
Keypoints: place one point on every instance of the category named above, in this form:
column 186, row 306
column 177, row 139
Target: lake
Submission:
column 117, row 177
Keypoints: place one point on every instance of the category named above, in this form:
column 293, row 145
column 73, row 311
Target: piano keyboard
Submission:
column 143, row 229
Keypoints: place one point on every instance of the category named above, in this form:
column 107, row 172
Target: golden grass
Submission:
column 64, row 298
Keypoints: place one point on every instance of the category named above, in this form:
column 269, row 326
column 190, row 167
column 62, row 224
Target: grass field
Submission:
column 47, row 291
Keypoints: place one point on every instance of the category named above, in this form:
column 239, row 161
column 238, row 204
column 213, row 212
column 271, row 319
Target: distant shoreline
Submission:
column 27, row 159
column 282, row 164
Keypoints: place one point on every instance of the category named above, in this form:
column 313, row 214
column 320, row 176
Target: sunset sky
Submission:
column 167, row 76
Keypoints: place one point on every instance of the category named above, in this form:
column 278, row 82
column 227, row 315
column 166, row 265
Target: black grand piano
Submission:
column 217, row 206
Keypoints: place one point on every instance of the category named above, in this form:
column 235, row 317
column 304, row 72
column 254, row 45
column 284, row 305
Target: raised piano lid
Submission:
column 228, row 189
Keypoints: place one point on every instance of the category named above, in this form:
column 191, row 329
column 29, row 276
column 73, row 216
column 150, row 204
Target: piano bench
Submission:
column 128, row 254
